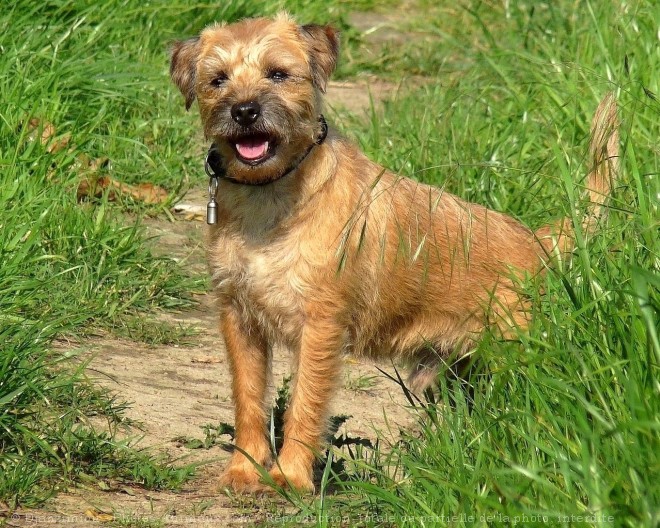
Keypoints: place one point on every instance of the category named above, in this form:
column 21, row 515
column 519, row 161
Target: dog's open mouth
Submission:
column 253, row 149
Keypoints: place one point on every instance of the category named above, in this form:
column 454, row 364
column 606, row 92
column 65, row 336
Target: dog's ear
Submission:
column 183, row 66
column 323, row 46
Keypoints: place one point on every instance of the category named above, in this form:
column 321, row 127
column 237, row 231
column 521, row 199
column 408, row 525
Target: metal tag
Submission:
column 212, row 206
column 211, row 213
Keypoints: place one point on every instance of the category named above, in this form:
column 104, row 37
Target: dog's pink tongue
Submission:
column 252, row 149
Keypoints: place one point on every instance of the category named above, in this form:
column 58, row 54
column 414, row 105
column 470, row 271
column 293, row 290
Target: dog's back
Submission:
column 420, row 272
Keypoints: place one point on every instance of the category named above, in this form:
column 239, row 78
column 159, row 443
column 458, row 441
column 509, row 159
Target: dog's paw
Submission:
column 241, row 479
column 300, row 481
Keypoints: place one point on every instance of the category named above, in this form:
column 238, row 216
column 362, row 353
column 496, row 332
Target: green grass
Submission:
column 562, row 422
column 68, row 267
column 565, row 421
column 96, row 73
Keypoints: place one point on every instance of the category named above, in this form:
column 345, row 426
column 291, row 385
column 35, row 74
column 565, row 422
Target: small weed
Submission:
column 154, row 332
column 198, row 508
column 134, row 520
column 212, row 437
column 362, row 383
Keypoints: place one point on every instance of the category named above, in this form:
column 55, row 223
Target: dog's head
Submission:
column 258, row 84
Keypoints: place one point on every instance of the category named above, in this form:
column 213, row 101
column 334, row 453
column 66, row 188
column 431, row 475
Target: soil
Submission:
column 175, row 390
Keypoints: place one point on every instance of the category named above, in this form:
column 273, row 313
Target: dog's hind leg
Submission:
column 424, row 370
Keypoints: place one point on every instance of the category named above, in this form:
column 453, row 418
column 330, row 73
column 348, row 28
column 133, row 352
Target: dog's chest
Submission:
column 262, row 279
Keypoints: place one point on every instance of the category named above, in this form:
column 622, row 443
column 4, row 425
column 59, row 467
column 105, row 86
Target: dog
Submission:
column 315, row 247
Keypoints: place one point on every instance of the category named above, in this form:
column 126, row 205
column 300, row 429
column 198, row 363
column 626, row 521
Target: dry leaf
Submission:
column 47, row 130
column 59, row 144
column 97, row 164
column 47, row 137
column 92, row 187
column 146, row 192
column 99, row 516
column 95, row 186
column 190, row 211
column 206, row 359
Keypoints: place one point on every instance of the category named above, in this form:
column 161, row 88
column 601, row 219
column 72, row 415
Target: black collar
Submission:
column 215, row 169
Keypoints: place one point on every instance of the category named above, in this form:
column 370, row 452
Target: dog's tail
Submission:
column 604, row 161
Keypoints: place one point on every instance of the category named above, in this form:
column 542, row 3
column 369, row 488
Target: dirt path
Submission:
column 176, row 390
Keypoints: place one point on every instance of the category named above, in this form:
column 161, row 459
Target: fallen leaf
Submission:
column 207, row 359
column 91, row 187
column 95, row 186
column 47, row 130
column 191, row 212
column 98, row 516
column 147, row 192
column 47, row 136
column 98, row 163
column 59, row 144
column 103, row 485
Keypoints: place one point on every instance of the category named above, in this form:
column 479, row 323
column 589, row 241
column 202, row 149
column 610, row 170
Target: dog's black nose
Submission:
column 246, row 113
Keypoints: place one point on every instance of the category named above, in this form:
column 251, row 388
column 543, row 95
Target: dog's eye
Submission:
column 278, row 75
column 219, row 80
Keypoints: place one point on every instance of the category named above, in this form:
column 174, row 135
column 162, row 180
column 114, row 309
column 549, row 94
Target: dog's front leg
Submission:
column 305, row 419
column 248, row 358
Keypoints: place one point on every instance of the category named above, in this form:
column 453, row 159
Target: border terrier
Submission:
column 316, row 248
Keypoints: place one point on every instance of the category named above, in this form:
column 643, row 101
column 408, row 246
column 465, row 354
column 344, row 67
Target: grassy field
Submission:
column 562, row 426
column 563, row 422
column 86, row 93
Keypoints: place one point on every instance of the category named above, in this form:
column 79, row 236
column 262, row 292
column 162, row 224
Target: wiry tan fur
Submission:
column 342, row 255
